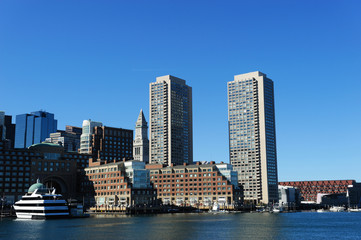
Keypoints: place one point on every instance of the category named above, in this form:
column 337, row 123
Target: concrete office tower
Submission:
column 141, row 142
column 170, row 111
column 33, row 128
column 252, row 135
column 86, row 136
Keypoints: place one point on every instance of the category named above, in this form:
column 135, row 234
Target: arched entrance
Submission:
column 57, row 183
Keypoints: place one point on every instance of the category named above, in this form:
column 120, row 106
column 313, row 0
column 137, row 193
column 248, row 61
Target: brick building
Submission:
column 310, row 189
column 110, row 143
column 196, row 185
column 115, row 183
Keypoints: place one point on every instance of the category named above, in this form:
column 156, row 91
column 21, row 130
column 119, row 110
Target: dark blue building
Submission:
column 33, row 128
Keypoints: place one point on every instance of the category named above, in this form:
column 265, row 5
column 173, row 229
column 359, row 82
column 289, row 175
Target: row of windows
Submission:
column 186, row 170
column 191, row 193
column 110, row 187
column 13, row 190
column 7, row 179
column 191, row 189
column 186, row 175
column 14, row 168
column 190, row 184
column 112, row 193
column 110, row 175
column 119, row 133
column 20, row 174
column 113, row 169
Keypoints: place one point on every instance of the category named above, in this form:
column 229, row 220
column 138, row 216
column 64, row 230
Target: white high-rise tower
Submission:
column 141, row 142
column 252, row 136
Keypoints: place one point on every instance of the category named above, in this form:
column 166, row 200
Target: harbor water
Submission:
column 299, row 225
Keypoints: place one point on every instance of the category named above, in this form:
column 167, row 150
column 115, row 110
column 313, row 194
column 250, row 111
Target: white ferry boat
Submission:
column 41, row 203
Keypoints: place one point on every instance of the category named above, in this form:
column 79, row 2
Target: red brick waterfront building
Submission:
column 310, row 189
column 112, row 183
column 197, row 184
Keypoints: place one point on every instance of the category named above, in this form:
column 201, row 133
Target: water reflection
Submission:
column 189, row 226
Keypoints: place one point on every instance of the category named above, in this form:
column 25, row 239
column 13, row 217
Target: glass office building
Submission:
column 34, row 128
column 171, row 136
column 86, row 136
column 252, row 136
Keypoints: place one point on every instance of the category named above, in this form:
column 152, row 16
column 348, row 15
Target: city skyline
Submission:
column 309, row 49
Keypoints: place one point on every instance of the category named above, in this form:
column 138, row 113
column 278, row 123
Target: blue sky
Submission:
column 95, row 60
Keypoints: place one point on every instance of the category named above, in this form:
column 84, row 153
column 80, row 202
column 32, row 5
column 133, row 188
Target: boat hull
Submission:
column 24, row 215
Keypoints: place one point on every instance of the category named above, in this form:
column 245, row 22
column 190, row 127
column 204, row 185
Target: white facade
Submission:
column 252, row 137
column 86, row 136
column 287, row 195
column 141, row 142
column 227, row 171
column 138, row 175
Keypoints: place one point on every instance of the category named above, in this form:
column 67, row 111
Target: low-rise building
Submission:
column 196, row 185
column 115, row 183
column 310, row 189
column 288, row 196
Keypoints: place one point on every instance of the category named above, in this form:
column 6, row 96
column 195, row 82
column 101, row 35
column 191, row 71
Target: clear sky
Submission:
column 95, row 60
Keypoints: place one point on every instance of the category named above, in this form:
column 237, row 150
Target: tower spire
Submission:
column 141, row 142
column 141, row 122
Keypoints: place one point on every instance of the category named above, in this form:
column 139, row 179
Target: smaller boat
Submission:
column 277, row 209
column 337, row 209
column 354, row 209
column 216, row 209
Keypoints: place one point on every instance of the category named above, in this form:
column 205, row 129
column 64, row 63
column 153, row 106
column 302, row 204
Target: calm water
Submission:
column 305, row 225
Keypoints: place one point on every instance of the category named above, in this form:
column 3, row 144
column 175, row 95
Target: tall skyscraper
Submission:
column 252, row 135
column 86, row 136
column 33, row 128
column 141, row 142
column 170, row 111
